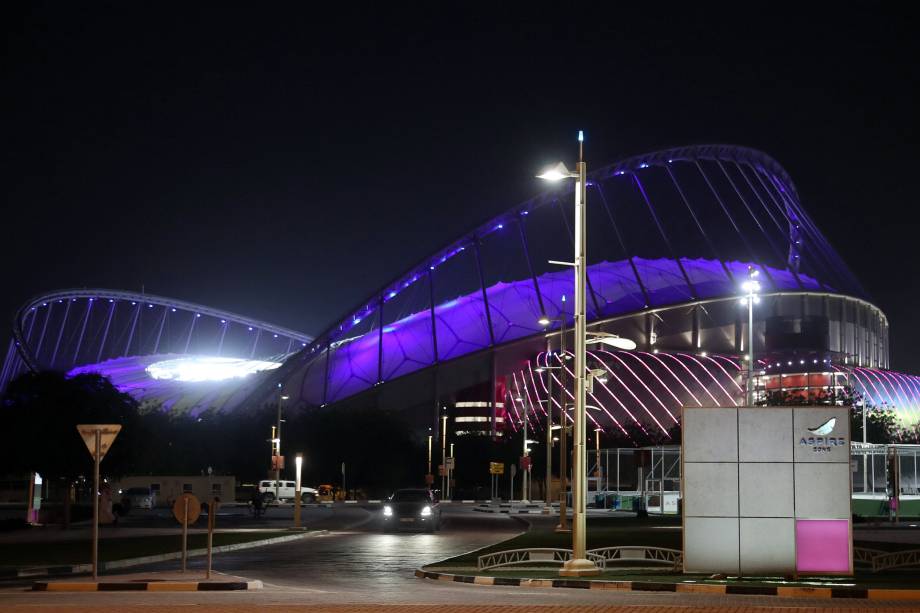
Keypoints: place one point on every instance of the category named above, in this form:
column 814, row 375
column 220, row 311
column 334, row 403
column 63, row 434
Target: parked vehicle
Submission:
column 412, row 508
column 138, row 498
column 286, row 491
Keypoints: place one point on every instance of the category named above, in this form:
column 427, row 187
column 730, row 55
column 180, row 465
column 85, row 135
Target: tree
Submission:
column 41, row 412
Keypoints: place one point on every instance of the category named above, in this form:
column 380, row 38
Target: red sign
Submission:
column 526, row 462
column 429, row 479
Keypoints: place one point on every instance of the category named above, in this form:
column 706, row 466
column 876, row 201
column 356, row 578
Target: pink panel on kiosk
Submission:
column 822, row 545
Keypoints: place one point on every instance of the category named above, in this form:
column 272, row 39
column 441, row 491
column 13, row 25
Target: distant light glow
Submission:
column 192, row 369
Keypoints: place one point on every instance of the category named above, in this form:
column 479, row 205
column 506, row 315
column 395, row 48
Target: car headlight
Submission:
column 426, row 510
column 387, row 511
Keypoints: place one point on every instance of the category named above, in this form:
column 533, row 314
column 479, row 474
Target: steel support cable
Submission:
column 830, row 253
column 536, row 392
column 802, row 221
column 542, row 355
column 747, row 245
column 572, row 396
column 712, row 248
column 773, row 247
column 853, row 371
column 89, row 308
column 895, row 386
column 690, row 372
column 588, row 283
column 536, row 284
column 520, row 395
column 137, row 313
column 631, row 393
column 105, row 333
column 673, row 374
column 609, row 391
column 654, row 374
column 41, row 337
column 629, row 258
column 877, row 400
column 485, row 296
column 636, row 377
column 156, row 345
column 638, row 183
column 711, row 376
column 57, row 344
column 730, row 362
column 725, row 372
column 823, row 263
column 765, row 206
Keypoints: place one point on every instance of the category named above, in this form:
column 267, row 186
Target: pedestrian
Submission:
column 257, row 501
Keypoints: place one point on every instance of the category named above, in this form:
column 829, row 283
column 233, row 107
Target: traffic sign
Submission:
column 526, row 462
column 107, row 434
column 429, row 479
column 497, row 468
column 442, row 471
column 449, row 463
column 194, row 508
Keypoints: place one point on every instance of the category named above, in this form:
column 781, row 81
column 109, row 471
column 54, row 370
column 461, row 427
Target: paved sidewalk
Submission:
column 434, row 608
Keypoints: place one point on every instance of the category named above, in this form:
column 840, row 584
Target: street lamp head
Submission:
column 557, row 173
column 614, row 341
column 544, row 321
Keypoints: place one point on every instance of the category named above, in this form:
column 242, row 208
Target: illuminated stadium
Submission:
column 670, row 237
column 170, row 354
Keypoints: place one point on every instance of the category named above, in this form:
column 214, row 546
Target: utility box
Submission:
column 766, row 490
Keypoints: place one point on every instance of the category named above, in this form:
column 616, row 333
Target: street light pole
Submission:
column 751, row 286
column 277, row 459
column 427, row 477
column 443, row 455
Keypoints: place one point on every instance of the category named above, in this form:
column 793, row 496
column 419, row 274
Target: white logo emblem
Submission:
column 825, row 428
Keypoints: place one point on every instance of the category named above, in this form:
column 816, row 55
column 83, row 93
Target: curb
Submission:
column 145, row 586
column 78, row 569
column 692, row 588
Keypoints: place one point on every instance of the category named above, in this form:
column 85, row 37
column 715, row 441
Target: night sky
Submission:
column 283, row 163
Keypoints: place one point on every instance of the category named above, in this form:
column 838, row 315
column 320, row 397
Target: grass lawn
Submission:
column 656, row 532
column 602, row 532
column 18, row 555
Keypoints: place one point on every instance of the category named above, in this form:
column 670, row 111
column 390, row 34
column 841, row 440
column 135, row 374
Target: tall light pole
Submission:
column 751, row 288
column 428, row 475
column 579, row 564
column 298, row 463
column 563, row 421
column 277, row 441
column 443, row 454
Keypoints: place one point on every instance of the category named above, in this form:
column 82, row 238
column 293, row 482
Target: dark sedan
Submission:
column 415, row 509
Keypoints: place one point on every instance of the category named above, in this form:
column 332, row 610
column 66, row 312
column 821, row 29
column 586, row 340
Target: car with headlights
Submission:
column 412, row 509
column 138, row 498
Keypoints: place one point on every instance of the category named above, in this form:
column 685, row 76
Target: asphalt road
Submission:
column 358, row 564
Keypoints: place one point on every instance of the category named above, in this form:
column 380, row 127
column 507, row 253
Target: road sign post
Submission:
column 186, row 510
column 98, row 438
column 212, row 521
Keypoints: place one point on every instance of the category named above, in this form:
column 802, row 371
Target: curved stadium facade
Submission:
column 670, row 237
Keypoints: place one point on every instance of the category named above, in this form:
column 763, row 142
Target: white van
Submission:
column 286, row 491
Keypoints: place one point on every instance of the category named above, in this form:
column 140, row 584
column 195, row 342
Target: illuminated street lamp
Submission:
column 751, row 288
column 298, row 463
column 579, row 564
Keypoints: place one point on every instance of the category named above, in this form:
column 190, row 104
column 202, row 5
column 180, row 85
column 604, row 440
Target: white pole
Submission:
column 579, row 564
column 98, row 442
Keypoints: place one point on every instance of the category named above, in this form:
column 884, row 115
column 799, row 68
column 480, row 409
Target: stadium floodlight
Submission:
column 204, row 368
